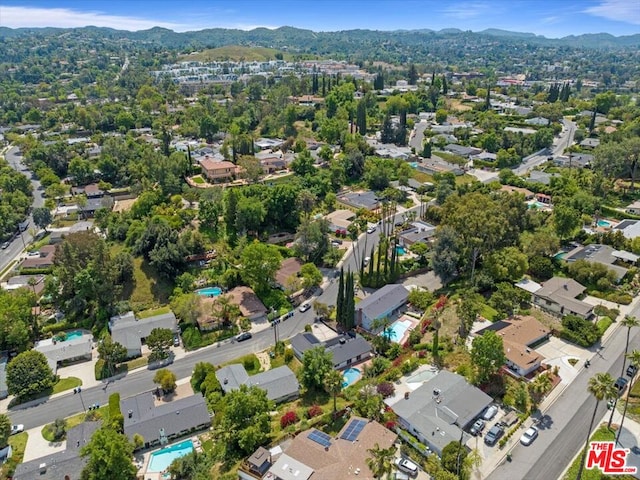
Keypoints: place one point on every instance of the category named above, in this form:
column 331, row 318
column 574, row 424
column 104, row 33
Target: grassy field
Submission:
column 198, row 179
column 66, row 384
column 146, row 290
column 235, row 53
column 153, row 312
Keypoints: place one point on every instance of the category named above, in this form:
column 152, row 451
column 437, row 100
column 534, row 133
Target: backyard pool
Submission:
column 350, row 376
column 74, row 334
column 209, row 291
column 536, row 204
column 400, row 250
column 413, row 164
column 397, row 330
column 161, row 459
column 604, row 224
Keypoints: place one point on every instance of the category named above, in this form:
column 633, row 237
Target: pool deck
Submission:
column 142, row 459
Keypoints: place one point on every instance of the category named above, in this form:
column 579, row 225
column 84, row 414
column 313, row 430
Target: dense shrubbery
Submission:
column 579, row 331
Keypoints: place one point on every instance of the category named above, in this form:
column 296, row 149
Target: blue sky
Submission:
column 552, row 19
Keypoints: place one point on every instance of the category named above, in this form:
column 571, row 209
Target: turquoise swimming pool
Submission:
column 161, row 459
column 537, row 204
column 400, row 250
column 397, row 330
column 350, row 376
column 209, row 291
column 73, row 334
column 604, row 224
column 414, row 164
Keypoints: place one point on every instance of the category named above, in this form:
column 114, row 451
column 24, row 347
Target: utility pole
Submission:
column 79, row 392
column 274, row 325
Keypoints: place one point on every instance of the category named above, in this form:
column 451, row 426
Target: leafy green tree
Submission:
column 243, row 421
column 166, row 379
column 312, row 240
column 249, row 216
column 380, row 461
column 316, row 364
column 200, row 372
column 361, row 117
column 5, row 429
column 369, row 403
column 507, row 264
column 259, row 264
column 453, row 457
column 29, row 374
column 468, row 309
column 311, row 276
column 303, row 164
column 109, row 455
column 112, row 353
column 185, row 307
column 601, row 386
column 159, row 342
column 332, row 384
column 446, row 252
column 42, row 217
column 15, row 318
column 487, row 355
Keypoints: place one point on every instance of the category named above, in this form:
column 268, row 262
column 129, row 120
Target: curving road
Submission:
column 15, row 161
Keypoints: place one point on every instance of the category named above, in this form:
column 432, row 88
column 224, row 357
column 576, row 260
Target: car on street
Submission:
column 371, row 229
column 366, row 261
column 529, row 436
column 406, row 466
column 243, row 336
column 490, row 412
column 631, row 370
column 17, row 429
column 304, row 307
column 176, row 340
column 5, row 245
column 477, row 427
column 336, row 242
column 621, row 384
column 493, row 435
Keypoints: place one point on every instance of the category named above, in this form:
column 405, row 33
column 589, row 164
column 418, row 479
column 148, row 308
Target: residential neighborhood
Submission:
column 288, row 253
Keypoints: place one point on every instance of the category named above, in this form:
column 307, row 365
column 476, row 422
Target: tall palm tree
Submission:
column 629, row 322
column 538, row 389
column 601, row 387
column 634, row 359
column 381, row 460
column 332, row 384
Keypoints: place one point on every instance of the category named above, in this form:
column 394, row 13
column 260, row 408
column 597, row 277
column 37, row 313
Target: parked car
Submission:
column 176, row 340
column 477, row 427
column 493, row 435
column 243, row 336
column 304, row 307
column 336, row 241
column 490, row 412
column 631, row 370
column 529, row 436
column 406, row 466
column 366, row 261
column 5, row 245
column 17, row 429
column 371, row 229
column 621, row 384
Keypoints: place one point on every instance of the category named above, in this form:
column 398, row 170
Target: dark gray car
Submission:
column 493, row 435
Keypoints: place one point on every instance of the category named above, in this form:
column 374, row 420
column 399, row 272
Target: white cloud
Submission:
column 18, row 17
column 466, row 10
column 627, row 11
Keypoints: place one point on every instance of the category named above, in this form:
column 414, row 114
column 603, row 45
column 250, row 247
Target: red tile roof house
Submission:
column 44, row 260
column 218, row 171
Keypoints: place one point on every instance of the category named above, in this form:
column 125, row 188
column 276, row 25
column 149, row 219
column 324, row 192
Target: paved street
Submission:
column 17, row 245
column 563, row 141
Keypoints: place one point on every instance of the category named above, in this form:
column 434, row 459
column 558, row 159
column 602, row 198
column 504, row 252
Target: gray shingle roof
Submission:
column 177, row 416
column 382, row 300
column 349, row 349
column 440, row 418
column 128, row 331
column 278, row 382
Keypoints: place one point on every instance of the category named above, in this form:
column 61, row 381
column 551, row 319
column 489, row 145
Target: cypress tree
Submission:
column 487, row 102
column 386, row 260
column 350, row 303
column 324, row 85
column 377, row 284
column 413, row 74
column 373, row 252
column 340, row 299
column 444, row 85
column 592, row 123
column 434, row 345
column 426, row 149
column 361, row 117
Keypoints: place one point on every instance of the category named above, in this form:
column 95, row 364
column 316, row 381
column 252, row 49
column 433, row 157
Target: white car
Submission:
column 490, row 412
column 371, row 229
column 406, row 466
column 529, row 436
column 366, row 261
column 304, row 307
column 17, row 429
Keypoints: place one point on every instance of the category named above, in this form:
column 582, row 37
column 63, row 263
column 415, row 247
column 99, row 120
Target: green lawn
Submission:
column 488, row 312
column 153, row 311
column 198, row 179
column 602, row 434
column 250, row 361
column 18, row 444
column 66, row 384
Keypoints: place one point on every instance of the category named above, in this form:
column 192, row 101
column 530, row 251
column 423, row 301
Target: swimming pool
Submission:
column 74, row 334
column 400, row 250
column 397, row 330
column 209, row 291
column 161, row 459
column 604, row 224
column 350, row 376
column 413, row 164
column 536, row 204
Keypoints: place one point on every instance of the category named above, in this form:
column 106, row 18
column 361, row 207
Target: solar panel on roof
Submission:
column 353, row 430
column 320, row 438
